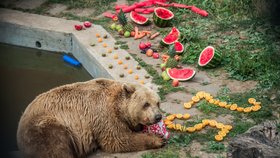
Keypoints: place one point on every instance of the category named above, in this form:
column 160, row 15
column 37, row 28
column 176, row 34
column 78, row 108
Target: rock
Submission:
column 260, row 141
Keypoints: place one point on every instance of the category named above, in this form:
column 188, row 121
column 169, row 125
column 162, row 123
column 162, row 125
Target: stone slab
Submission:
column 25, row 29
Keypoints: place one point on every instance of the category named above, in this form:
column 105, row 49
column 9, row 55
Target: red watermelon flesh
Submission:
column 172, row 36
column 206, row 55
column 137, row 18
column 181, row 74
column 164, row 13
column 179, row 47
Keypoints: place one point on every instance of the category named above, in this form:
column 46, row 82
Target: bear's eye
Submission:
column 146, row 105
column 158, row 104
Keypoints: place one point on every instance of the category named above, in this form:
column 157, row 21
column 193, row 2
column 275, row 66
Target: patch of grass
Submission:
column 120, row 42
column 70, row 16
column 163, row 153
column 214, row 147
column 165, row 86
column 240, row 126
column 249, row 44
column 184, row 139
column 124, row 46
column 98, row 6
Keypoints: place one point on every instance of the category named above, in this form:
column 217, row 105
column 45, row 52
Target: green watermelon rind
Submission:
column 165, row 44
column 137, row 22
column 187, row 79
column 159, row 21
column 214, row 62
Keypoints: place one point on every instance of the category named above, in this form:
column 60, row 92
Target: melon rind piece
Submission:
column 133, row 18
column 213, row 61
column 163, row 42
column 179, row 51
column 160, row 21
column 191, row 75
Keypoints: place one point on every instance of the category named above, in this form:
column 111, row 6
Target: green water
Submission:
column 25, row 73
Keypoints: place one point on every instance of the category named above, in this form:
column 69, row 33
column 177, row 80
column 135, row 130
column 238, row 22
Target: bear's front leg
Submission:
column 132, row 142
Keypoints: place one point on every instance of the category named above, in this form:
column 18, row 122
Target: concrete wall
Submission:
column 55, row 34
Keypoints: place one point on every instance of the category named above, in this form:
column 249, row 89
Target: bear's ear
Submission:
column 128, row 89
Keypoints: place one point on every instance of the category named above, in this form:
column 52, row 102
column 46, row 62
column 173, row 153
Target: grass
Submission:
column 165, row 86
column 98, row 6
column 248, row 43
column 163, row 153
column 214, row 147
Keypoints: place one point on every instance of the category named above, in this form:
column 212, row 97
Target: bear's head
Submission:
column 142, row 104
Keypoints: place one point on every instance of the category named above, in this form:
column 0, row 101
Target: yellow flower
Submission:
column 179, row 116
column 218, row 137
column 198, row 126
column 256, row 108
column 248, row 109
column 187, row 105
column 195, row 99
column 186, row 116
column 252, row 100
column 240, row 109
column 170, row 117
column 190, row 129
column 220, row 125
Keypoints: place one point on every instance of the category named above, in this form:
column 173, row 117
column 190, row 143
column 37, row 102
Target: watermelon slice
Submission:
column 162, row 17
column 209, row 58
column 181, row 74
column 138, row 19
column 179, row 47
column 172, row 37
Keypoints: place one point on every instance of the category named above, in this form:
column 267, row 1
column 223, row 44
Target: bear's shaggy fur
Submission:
column 73, row 120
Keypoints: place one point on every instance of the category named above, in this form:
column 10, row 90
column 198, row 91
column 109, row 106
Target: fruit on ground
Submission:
column 175, row 83
column 156, row 55
column 209, row 57
column 181, row 74
column 113, row 26
column 138, row 19
column 179, row 47
column 148, row 44
column 171, row 38
column 78, row 27
column 132, row 33
column 142, row 46
column 118, row 27
column 163, row 66
column 87, row 24
column 123, row 21
column 165, row 76
column 149, row 52
column 162, row 17
column 127, row 34
column 121, row 32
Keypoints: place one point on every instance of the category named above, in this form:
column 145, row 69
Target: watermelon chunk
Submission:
column 138, row 19
column 171, row 38
column 209, row 58
column 179, row 47
column 162, row 17
column 181, row 74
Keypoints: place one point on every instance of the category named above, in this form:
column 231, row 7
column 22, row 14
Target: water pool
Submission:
column 25, row 73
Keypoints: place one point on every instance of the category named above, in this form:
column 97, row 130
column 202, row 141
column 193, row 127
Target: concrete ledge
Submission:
column 54, row 34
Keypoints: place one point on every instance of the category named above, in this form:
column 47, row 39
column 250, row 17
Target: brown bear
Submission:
column 73, row 120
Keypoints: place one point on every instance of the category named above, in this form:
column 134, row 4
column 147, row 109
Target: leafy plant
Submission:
column 214, row 147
